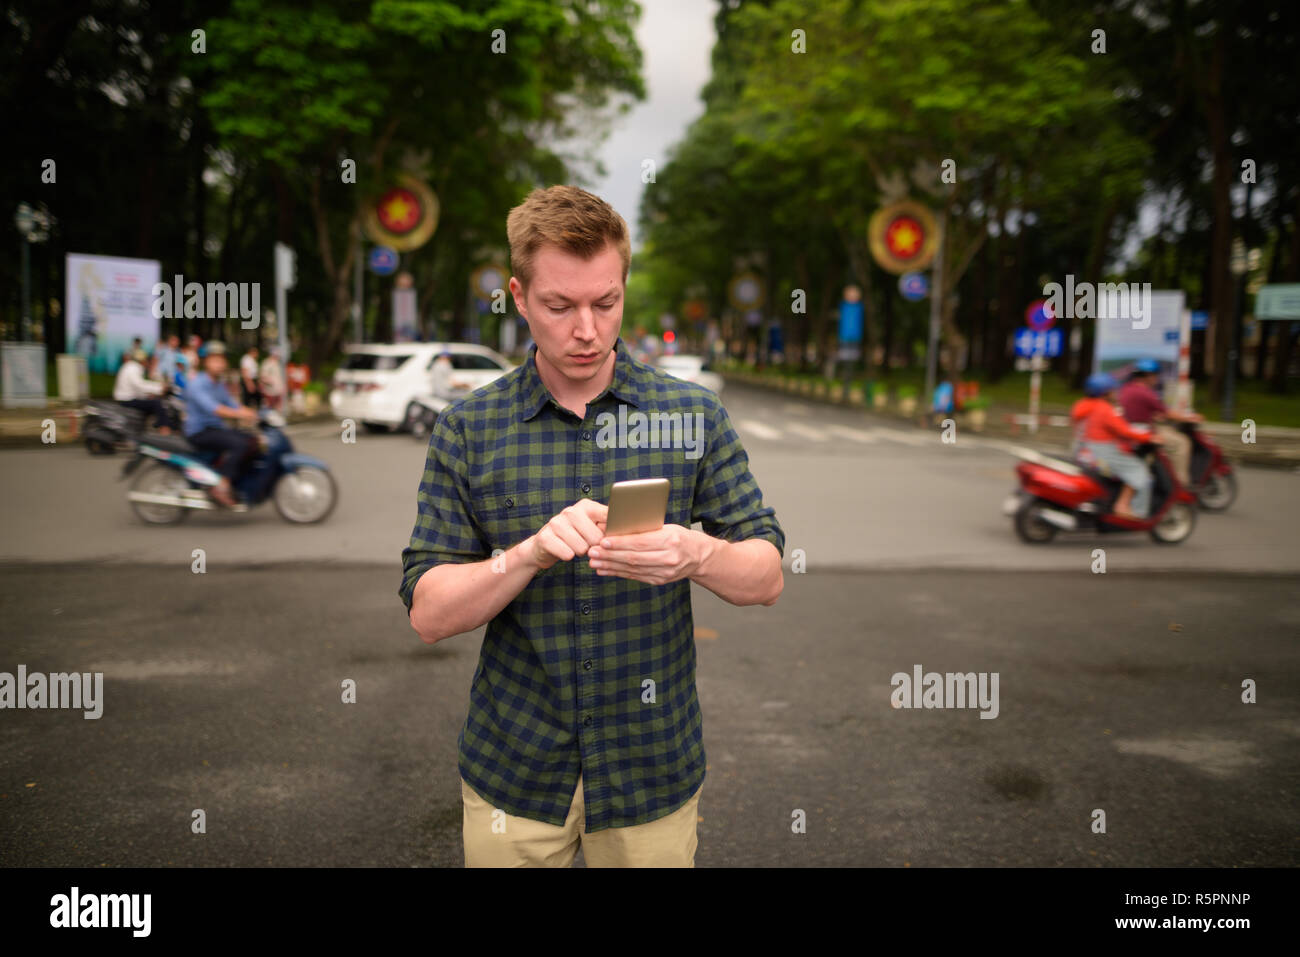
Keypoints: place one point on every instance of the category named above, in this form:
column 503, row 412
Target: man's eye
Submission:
column 557, row 308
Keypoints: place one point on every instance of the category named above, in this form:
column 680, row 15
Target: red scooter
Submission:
column 1213, row 479
column 1056, row 495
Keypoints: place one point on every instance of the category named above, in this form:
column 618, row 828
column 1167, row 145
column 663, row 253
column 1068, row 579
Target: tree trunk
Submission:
column 1222, row 289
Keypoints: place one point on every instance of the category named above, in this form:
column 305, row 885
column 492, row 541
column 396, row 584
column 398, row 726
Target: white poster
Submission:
column 109, row 302
column 1118, row 344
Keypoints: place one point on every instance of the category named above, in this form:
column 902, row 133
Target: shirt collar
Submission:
column 626, row 384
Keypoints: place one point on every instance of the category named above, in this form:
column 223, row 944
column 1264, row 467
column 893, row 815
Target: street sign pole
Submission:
column 1035, row 391
column 936, row 305
column 358, row 289
column 285, row 279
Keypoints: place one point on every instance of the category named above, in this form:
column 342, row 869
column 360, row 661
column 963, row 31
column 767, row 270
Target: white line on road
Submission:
column 907, row 438
column 807, row 431
column 857, row 435
column 758, row 429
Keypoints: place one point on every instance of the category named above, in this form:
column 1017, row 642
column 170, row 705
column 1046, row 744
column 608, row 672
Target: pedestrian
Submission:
column 168, row 350
column 248, row 371
column 440, row 379
column 584, row 723
column 192, row 346
column 271, row 380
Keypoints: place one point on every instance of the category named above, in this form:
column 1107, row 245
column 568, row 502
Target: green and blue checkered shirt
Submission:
column 563, row 684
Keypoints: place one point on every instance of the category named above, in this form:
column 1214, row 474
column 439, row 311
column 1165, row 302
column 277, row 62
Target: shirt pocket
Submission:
column 507, row 518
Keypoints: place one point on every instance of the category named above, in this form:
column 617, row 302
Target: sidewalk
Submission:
column 23, row 428
column 1274, row 445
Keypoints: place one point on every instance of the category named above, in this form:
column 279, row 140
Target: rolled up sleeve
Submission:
column 444, row 531
column 728, row 502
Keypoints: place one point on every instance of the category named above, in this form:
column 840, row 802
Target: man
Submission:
column 440, row 379
column 248, row 369
column 1142, row 405
column 132, row 389
column 584, row 723
column 208, row 405
column 191, row 354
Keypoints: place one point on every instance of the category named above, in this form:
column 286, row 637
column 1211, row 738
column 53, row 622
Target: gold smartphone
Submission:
column 637, row 506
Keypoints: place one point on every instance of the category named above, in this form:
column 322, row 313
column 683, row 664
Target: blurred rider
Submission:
column 1142, row 405
column 1103, row 436
column 208, row 405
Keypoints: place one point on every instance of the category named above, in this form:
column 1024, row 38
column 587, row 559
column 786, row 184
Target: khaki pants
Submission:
column 1179, row 449
column 497, row 839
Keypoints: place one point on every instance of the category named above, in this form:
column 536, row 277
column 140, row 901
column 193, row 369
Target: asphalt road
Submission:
column 853, row 491
column 1119, row 692
column 222, row 692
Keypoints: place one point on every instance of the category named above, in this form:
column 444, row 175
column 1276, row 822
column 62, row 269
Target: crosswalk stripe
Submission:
column 857, row 435
column 759, row 429
column 907, row 438
column 808, row 432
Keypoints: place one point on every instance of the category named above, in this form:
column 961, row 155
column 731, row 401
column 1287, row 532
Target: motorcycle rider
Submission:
column 1102, row 435
column 1142, row 405
column 207, row 403
column 132, row 389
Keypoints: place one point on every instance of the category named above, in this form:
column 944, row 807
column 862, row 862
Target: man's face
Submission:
column 174, row 342
column 214, row 365
column 574, row 309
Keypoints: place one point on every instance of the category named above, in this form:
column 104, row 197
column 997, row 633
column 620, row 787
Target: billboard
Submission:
column 1118, row 344
column 109, row 302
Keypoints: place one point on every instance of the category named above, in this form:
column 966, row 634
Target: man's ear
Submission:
column 520, row 294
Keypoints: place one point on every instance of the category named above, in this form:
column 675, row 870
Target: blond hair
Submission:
column 573, row 219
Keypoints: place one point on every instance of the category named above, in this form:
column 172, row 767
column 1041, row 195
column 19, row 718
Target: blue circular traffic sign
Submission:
column 914, row 286
column 383, row 260
column 1040, row 316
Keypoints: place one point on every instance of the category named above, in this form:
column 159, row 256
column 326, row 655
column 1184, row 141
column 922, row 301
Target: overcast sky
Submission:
column 676, row 38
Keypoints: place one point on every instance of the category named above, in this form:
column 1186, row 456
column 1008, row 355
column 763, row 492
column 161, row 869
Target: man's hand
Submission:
column 666, row 555
column 569, row 534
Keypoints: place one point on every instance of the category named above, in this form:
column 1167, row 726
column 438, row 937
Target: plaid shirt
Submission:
column 563, row 680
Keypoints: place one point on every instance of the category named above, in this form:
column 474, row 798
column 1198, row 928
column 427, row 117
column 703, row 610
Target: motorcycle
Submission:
column 422, row 413
column 177, row 476
column 1056, row 495
column 108, row 426
column 1213, row 479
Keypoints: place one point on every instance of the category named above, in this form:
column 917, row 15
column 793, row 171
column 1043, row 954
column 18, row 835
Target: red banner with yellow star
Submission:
column 903, row 237
column 404, row 216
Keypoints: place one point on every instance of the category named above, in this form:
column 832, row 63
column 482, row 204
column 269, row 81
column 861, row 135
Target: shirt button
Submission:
column 585, row 434
column 587, row 721
column 586, row 608
column 586, row 665
column 510, row 503
column 585, row 488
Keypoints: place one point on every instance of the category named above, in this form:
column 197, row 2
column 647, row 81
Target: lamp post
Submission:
column 25, row 220
column 1239, row 263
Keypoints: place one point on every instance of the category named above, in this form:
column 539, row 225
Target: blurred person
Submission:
column 1103, row 435
column 208, row 405
column 181, row 374
column 1142, row 405
column 271, row 380
column 248, row 371
column 166, row 355
column 567, row 638
column 440, row 381
column 191, row 353
column 133, row 389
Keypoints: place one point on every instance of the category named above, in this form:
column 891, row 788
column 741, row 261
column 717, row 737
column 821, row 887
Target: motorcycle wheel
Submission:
column 1218, row 492
column 160, row 480
column 99, row 447
column 306, row 495
column 414, row 421
column 1176, row 525
column 1030, row 525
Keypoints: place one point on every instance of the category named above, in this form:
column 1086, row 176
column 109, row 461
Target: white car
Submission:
column 692, row 369
column 378, row 384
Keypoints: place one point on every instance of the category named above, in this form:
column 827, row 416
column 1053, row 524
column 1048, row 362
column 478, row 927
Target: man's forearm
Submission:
column 742, row 573
column 453, row 599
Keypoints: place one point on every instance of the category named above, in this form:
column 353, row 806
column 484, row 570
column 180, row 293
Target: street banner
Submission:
column 109, row 302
